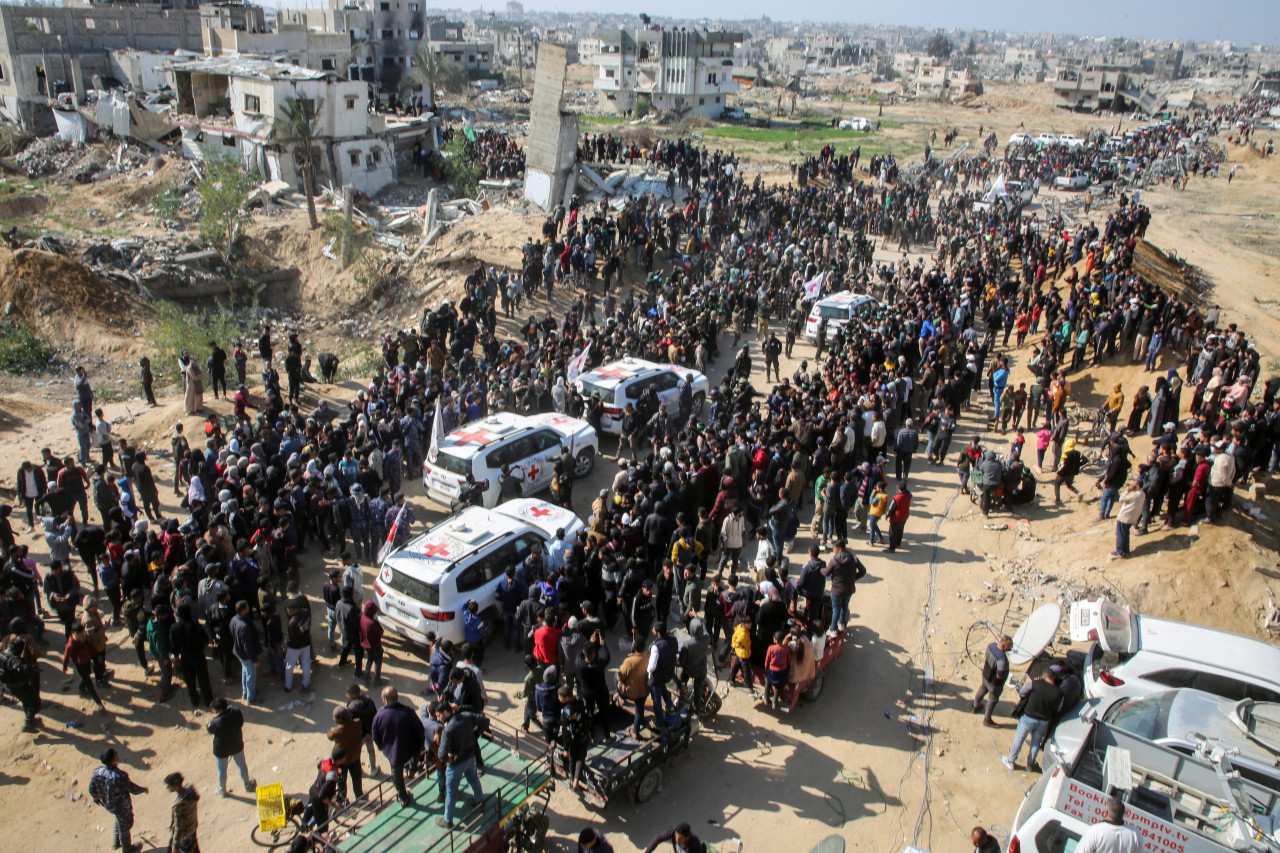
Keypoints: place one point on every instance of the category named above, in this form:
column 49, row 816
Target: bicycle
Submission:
column 283, row 822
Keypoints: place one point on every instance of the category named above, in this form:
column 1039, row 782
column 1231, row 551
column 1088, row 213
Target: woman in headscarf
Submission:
column 558, row 395
column 192, row 384
column 1141, row 405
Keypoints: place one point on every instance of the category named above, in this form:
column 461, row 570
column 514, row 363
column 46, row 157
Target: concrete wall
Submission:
column 142, row 71
column 553, row 133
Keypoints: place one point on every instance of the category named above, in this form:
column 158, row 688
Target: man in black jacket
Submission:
column 247, row 648
column 682, row 840
column 188, row 641
column 1042, row 699
column 227, row 728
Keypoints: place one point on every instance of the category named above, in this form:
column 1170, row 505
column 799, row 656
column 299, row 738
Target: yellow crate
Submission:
column 271, row 808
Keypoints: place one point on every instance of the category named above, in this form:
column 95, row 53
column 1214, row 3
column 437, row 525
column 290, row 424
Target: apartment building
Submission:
column 228, row 106
column 48, row 51
column 678, row 70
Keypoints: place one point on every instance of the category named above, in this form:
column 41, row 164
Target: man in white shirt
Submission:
column 1111, row 836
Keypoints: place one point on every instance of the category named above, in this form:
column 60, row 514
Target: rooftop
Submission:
column 239, row 66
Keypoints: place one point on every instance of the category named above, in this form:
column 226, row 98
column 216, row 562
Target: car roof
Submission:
column 617, row 372
column 546, row 517
column 432, row 555
column 468, row 440
column 844, row 297
column 1222, row 649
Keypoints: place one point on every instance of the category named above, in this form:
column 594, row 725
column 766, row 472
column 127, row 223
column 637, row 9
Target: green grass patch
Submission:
column 179, row 327
column 21, row 350
column 603, row 119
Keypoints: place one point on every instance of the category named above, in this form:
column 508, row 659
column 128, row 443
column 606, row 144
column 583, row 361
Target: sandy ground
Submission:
column 888, row 756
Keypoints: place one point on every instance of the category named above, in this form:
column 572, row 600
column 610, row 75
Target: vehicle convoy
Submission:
column 425, row 585
column 1132, row 655
column 1178, row 803
column 838, row 309
column 622, row 382
column 529, row 444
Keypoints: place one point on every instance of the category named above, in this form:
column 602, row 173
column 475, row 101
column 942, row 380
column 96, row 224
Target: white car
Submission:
column 622, row 382
column 1133, row 655
column 529, row 444
column 838, row 309
column 1076, row 179
column 1048, row 139
column 1020, row 139
column 425, row 586
column 1014, row 192
column 1068, row 140
column 855, row 124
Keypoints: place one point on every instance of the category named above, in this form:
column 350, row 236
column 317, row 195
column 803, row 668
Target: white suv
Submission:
column 622, row 382
column 1133, row 655
column 531, row 444
column 838, row 309
column 425, row 585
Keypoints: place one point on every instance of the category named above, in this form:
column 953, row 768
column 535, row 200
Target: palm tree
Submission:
column 295, row 130
column 431, row 71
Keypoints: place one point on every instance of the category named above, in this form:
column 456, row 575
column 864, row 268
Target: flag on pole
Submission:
column 437, row 427
column 997, row 190
column 390, row 544
column 814, row 287
column 579, row 362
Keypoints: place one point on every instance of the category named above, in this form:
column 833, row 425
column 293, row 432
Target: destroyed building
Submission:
column 553, row 133
column 1102, row 82
column 229, row 106
column 384, row 35
column 239, row 29
column 680, row 71
column 51, row 53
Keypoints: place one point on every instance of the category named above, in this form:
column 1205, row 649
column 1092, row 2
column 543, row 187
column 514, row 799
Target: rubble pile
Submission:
column 1021, row 578
column 77, row 161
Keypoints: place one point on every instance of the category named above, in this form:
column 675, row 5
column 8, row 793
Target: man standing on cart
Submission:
column 458, row 752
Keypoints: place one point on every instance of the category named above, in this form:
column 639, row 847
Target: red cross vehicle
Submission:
column 425, row 585
column 625, row 381
column 528, row 445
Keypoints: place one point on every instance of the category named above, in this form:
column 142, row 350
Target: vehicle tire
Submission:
column 814, row 690
column 648, row 786
column 584, row 462
column 699, row 400
column 712, row 707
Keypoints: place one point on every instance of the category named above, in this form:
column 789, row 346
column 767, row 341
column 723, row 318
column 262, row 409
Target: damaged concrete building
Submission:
column 1102, row 82
column 229, row 107
column 48, row 52
column 680, row 71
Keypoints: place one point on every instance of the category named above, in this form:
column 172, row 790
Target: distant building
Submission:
column 47, row 51
column 228, row 106
column 384, row 35
column 237, row 29
column 678, row 70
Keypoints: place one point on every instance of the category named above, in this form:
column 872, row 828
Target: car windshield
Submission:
column 452, row 464
column 1147, row 716
column 589, row 388
column 412, row 588
column 1117, row 626
column 836, row 312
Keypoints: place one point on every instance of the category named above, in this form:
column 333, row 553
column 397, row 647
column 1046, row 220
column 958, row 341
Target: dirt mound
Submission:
column 1169, row 275
column 64, row 301
column 495, row 238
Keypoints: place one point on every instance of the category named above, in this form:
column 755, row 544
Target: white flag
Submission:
column 997, row 190
column 437, row 429
column 390, row 544
column 579, row 362
column 814, row 287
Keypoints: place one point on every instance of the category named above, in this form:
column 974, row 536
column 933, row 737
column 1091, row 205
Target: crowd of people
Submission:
column 670, row 542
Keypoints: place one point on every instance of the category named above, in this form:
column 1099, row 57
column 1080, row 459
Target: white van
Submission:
column 838, row 309
column 622, row 382
column 425, row 585
column 1178, row 803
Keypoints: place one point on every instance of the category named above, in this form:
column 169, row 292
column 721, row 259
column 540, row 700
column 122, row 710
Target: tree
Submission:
column 641, row 107
column 431, row 71
column 972, row 49
column 295, row 130
column 459, row 169
column 939, row 47
column 223, row 192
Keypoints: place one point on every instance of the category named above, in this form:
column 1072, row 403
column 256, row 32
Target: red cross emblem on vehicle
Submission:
column 613, row 372
column 560, row 419
column 436, row 549
column 533, row 471
column 539, row 511
column 471, row 436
